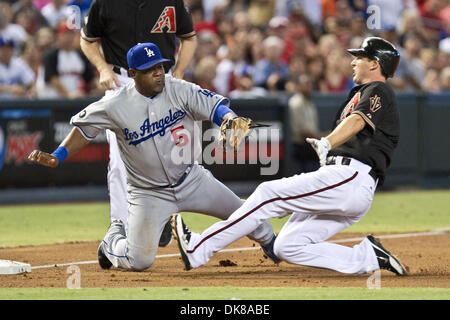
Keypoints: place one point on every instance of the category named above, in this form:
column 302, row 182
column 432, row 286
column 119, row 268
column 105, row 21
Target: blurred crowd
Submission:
column 246, row 48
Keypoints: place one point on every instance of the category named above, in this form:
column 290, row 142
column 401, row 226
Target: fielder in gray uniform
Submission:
column 153, row 117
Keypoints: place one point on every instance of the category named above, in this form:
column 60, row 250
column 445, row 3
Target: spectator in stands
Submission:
column 199, row 22
column 45, row 38
column 260, row 12
column 411, row 71
column 296, row 68
column 315, row 67
column 431, row 83
column 210, row 5
column 55, row 12
column 271, row 72
column 245, row 88
column 8, row 29
column 445, row 79
column 235, row 62
column 32, row 56
column 225, row 28
column 358, row 26
column 278, row 26
column 429, row 57
column 28, row 16
column 410, row 21
column 432, row 22
column 326, row 43
column 312, row 9
column 335, row 79
column 304, row 123
column 66, row 70
column 255, row 42
column 16, row 78
column 241, row 21
column 205, row 72
column 344, row 12
column 208, row 44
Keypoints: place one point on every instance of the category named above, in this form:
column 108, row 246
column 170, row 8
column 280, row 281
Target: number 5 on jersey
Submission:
column 180, row 136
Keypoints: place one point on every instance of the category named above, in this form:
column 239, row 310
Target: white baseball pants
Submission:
column 322, row 203
column 117, row 176
column 149, row 211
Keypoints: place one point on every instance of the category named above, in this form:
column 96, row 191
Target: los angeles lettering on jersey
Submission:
column 149, row 130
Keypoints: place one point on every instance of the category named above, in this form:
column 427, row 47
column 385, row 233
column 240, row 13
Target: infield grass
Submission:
column 225, row 293
column 393, row 212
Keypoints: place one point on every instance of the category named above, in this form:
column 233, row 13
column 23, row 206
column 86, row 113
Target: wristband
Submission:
column 61, row 153
column 221, row 110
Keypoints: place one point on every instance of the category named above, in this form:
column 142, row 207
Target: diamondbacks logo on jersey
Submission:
column 375, row 103
column 351, row 105
column 149, row 130
column 166, row 21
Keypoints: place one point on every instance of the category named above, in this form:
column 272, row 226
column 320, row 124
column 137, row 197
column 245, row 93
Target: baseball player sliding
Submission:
column 353, row 159
column 152, row 117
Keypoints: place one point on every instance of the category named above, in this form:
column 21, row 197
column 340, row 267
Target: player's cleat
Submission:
column 103, row 260
column 166, row 236
column 386, row 260
column 268, row 250
column 115, row 227
column 182, row 234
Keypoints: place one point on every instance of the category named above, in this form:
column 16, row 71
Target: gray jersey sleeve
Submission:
column 93, row 119
column 201, row 103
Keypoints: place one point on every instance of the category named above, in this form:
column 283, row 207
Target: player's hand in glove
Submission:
column 321, row 147
column 43, row 158
column 233, row 131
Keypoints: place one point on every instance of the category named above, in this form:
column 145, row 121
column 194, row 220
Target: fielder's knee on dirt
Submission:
column 141, row 264
column 141, row 260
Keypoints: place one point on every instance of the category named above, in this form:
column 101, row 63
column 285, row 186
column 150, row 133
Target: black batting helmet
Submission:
column 383, row 51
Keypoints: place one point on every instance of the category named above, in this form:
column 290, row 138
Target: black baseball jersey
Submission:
column 121, row 24
column 374, row 145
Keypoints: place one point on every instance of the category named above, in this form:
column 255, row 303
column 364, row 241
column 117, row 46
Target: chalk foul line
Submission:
column 386, row 236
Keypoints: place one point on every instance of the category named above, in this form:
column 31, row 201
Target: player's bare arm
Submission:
column 185, row 55
column 346, row 130
column 341, row 134
column 73, row 143
column 90, row 47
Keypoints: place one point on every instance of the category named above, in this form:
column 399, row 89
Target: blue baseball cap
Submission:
column 143, row 56
column 6, row 42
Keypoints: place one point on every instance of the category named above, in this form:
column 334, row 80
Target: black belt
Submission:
column 116, row 69
column 345, row 162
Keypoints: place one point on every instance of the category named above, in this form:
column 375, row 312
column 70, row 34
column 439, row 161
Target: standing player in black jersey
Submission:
column 353, row 158
column 119, row 25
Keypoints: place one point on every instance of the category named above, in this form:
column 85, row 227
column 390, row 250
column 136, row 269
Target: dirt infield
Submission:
column 427, row 257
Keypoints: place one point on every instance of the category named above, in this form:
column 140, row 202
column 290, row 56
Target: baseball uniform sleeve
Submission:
column 92, row 120
column 372, row 104
column 199, row 102
column 93, row 27
column 184, row 20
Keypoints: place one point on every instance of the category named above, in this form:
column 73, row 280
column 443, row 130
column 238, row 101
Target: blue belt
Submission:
column 180, row 181
column 174, row 185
